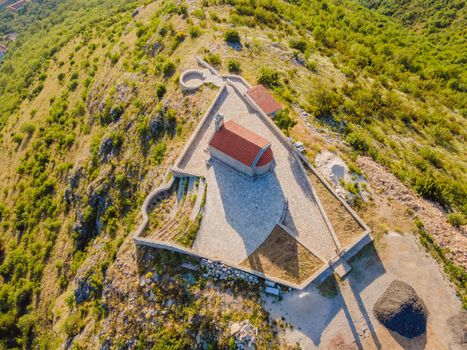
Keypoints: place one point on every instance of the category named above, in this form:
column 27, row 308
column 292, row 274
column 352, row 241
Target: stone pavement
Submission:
column 239, row 214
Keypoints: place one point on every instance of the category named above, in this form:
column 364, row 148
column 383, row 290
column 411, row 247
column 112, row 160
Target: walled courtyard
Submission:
column 241, row 212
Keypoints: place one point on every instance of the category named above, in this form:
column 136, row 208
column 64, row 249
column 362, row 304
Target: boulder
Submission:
column 83, row 291
column 401, row 310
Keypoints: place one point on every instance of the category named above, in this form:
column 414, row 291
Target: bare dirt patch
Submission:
column 344, row 320
column 345, row 226
column 281, row 255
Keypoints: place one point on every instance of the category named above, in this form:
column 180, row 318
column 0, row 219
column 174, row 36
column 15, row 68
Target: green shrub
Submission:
column 17, row 138
column 117, row 139
column 232, row 36
column 284, row 121
column 269, row 77
column 213, row 59
column 27, row 128
column 73, row 85
column 233, row 65
column 194, row 31
column 298, row 44
column 168, row 69
column 358, row 141
column 325, row 102
column 312, row 66
column 159, row 152
column 428, row 187
column 456, row 219
column 198, row 13
column 180, row 37
column 114, row 58
column 110, row 113
column 160, row 90
column 214, row 17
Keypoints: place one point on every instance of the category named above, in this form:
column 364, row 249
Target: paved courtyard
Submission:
column 240, row 213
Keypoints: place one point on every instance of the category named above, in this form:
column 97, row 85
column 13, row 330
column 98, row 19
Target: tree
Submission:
column 233, row 65
column 232, row 36
column 284, row 121
column 27, row 128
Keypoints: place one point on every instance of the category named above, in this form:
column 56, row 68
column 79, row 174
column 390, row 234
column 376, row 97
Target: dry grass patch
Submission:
column 344, row 224
column 281, row 256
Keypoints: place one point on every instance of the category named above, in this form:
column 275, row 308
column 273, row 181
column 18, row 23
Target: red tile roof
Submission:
column 264, row 99
column 241, row 144
column 17, row 5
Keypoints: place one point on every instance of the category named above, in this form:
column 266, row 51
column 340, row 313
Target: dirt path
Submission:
column 346, row 320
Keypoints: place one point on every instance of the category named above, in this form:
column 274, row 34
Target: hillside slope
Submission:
column 91, row 118
column 430, row 14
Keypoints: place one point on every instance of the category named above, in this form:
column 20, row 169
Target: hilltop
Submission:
column 92, row 118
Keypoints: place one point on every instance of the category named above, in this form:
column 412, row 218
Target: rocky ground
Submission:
column 433, row 218
column 384, row 185
column 156, row 296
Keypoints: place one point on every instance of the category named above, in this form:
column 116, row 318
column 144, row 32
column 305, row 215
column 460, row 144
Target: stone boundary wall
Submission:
column 318, row 276
column 191, row 252
column 147, row 202
column 273, row 127
column 191, row 144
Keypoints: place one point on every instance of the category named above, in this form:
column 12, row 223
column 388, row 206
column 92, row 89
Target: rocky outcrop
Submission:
column 107, row 149
column 84, row 291
column 401, row 310
column 89, row 220
column 245, row 335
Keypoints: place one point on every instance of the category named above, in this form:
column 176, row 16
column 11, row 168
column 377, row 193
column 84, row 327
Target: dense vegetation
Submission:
column 432, row 15
column 83, row 147
column 375, row 114
column 37, row 206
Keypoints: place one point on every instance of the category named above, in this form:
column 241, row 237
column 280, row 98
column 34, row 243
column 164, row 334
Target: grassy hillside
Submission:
column 432, row 15
column 91, row 116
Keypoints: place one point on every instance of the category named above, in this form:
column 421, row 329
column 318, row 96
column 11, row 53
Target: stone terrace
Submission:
column 241, row 213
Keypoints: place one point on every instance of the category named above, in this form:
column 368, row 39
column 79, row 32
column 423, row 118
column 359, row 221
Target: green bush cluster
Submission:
column 284, row 121
column 269, row 77
column 232, row 36
column 233, row 65
column 213, row 59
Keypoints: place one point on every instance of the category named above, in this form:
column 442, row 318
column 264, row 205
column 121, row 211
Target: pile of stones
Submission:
column 220, row 272
column 401, row 310
column 245, row 335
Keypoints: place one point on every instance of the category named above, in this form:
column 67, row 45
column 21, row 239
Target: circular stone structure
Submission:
column 401, row 310
column 192, row 79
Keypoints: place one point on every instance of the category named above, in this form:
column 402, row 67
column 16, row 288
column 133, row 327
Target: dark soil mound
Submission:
column 401, row 310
